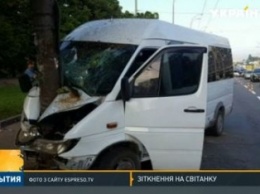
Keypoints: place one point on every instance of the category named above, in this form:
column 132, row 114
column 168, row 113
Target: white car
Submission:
column 236, row 74
column 248, row 74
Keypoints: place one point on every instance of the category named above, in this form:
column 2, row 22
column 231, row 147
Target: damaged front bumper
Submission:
column 52, row 162
column 45, row 153
column 35, row 142
column 77, row 163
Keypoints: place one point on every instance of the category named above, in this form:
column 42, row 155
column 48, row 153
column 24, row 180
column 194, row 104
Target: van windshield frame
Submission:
column 94, row 67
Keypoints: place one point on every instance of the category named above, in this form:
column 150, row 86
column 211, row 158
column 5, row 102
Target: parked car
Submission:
column 247, row 74
column 236, row 73
column 255, row 76
column 243, row 71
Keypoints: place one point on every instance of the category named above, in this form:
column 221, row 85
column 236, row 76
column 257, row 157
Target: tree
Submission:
column 77, row 12
column 45, row 22
column 127, row 14
column 15, row 34
column 27, row 32
column 147, row 14
column 251, row 58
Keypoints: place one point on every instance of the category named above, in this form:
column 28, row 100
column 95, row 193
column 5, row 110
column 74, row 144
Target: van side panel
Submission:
column 219, row 92
column 220, row 82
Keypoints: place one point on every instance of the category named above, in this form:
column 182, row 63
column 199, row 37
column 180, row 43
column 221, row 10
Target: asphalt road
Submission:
column 239, row 146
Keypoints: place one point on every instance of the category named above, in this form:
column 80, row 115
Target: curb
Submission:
column 9, row 121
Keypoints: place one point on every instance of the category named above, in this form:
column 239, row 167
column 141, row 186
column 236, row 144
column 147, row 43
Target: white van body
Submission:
column 168, row 130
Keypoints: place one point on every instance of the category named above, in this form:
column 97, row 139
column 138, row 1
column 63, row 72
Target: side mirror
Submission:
column 25, row 83
column 126, row 91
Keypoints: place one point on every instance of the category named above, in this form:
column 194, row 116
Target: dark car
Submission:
column 255, row 76
column 238, row 72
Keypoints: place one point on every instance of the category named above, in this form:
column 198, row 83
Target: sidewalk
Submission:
column 9, row 82
column 7, row 141
column 9, row 121
column 8, row 135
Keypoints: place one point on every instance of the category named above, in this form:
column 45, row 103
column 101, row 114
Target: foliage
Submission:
column 252, row 58
column 76, row 12
column 147, row 14
column 16, row 32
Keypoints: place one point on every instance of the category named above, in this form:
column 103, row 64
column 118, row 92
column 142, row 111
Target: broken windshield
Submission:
column 94, row 66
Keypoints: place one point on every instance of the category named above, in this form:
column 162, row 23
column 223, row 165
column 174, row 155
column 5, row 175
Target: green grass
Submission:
column 11, row 101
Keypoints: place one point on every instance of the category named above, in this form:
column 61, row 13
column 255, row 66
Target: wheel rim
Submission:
column 125, row 164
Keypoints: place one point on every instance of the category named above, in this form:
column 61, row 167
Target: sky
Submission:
column 237, row 20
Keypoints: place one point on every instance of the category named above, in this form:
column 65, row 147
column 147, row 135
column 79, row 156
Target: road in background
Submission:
column 239, row 146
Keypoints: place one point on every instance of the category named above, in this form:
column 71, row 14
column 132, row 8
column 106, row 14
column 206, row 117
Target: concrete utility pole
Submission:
column 173, row 11
column 45, row 22
column 136, row 9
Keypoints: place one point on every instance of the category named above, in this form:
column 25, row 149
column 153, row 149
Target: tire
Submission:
column 119, row 159
column 218, row 127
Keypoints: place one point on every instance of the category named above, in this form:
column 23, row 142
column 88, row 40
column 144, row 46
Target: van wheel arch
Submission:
column 124, row 150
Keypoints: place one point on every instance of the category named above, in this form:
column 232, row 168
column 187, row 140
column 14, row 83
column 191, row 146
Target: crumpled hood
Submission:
column 68, row 101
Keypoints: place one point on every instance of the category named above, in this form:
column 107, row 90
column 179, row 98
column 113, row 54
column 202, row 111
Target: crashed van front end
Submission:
column 42, row 139
column 85, row 118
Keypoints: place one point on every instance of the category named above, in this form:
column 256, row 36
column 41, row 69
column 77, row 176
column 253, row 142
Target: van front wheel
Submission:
column 218, row 126
column 119, row 159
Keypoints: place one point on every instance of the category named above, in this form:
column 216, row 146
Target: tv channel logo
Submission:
column 11, row 167
column 11, row 161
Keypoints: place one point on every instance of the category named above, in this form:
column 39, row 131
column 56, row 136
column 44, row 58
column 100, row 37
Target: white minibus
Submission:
column 133, row 90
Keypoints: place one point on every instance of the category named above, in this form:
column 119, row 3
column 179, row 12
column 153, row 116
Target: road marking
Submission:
column 250, row 88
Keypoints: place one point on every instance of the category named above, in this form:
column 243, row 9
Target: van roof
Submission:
column 133, row 31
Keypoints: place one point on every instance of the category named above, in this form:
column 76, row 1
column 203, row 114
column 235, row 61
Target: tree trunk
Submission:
column 45, row 21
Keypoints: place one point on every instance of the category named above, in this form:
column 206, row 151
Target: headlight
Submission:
column 80, row 163
column 26, row 136
column 53, row 147
column 27, row 133
column 61, row 148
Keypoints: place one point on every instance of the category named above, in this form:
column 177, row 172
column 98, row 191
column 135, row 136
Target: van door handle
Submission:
column 194, row 110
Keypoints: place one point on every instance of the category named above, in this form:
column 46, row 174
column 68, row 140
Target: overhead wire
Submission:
column 210, row 18
column 202, row 12
column 170, row 12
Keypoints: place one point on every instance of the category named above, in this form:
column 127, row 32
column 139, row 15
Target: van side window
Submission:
column 175, row 71
column 228, row 64
column 147, row 83
column 181, row 72
column 219, row 64
column 211, row 68
column 142, row 56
